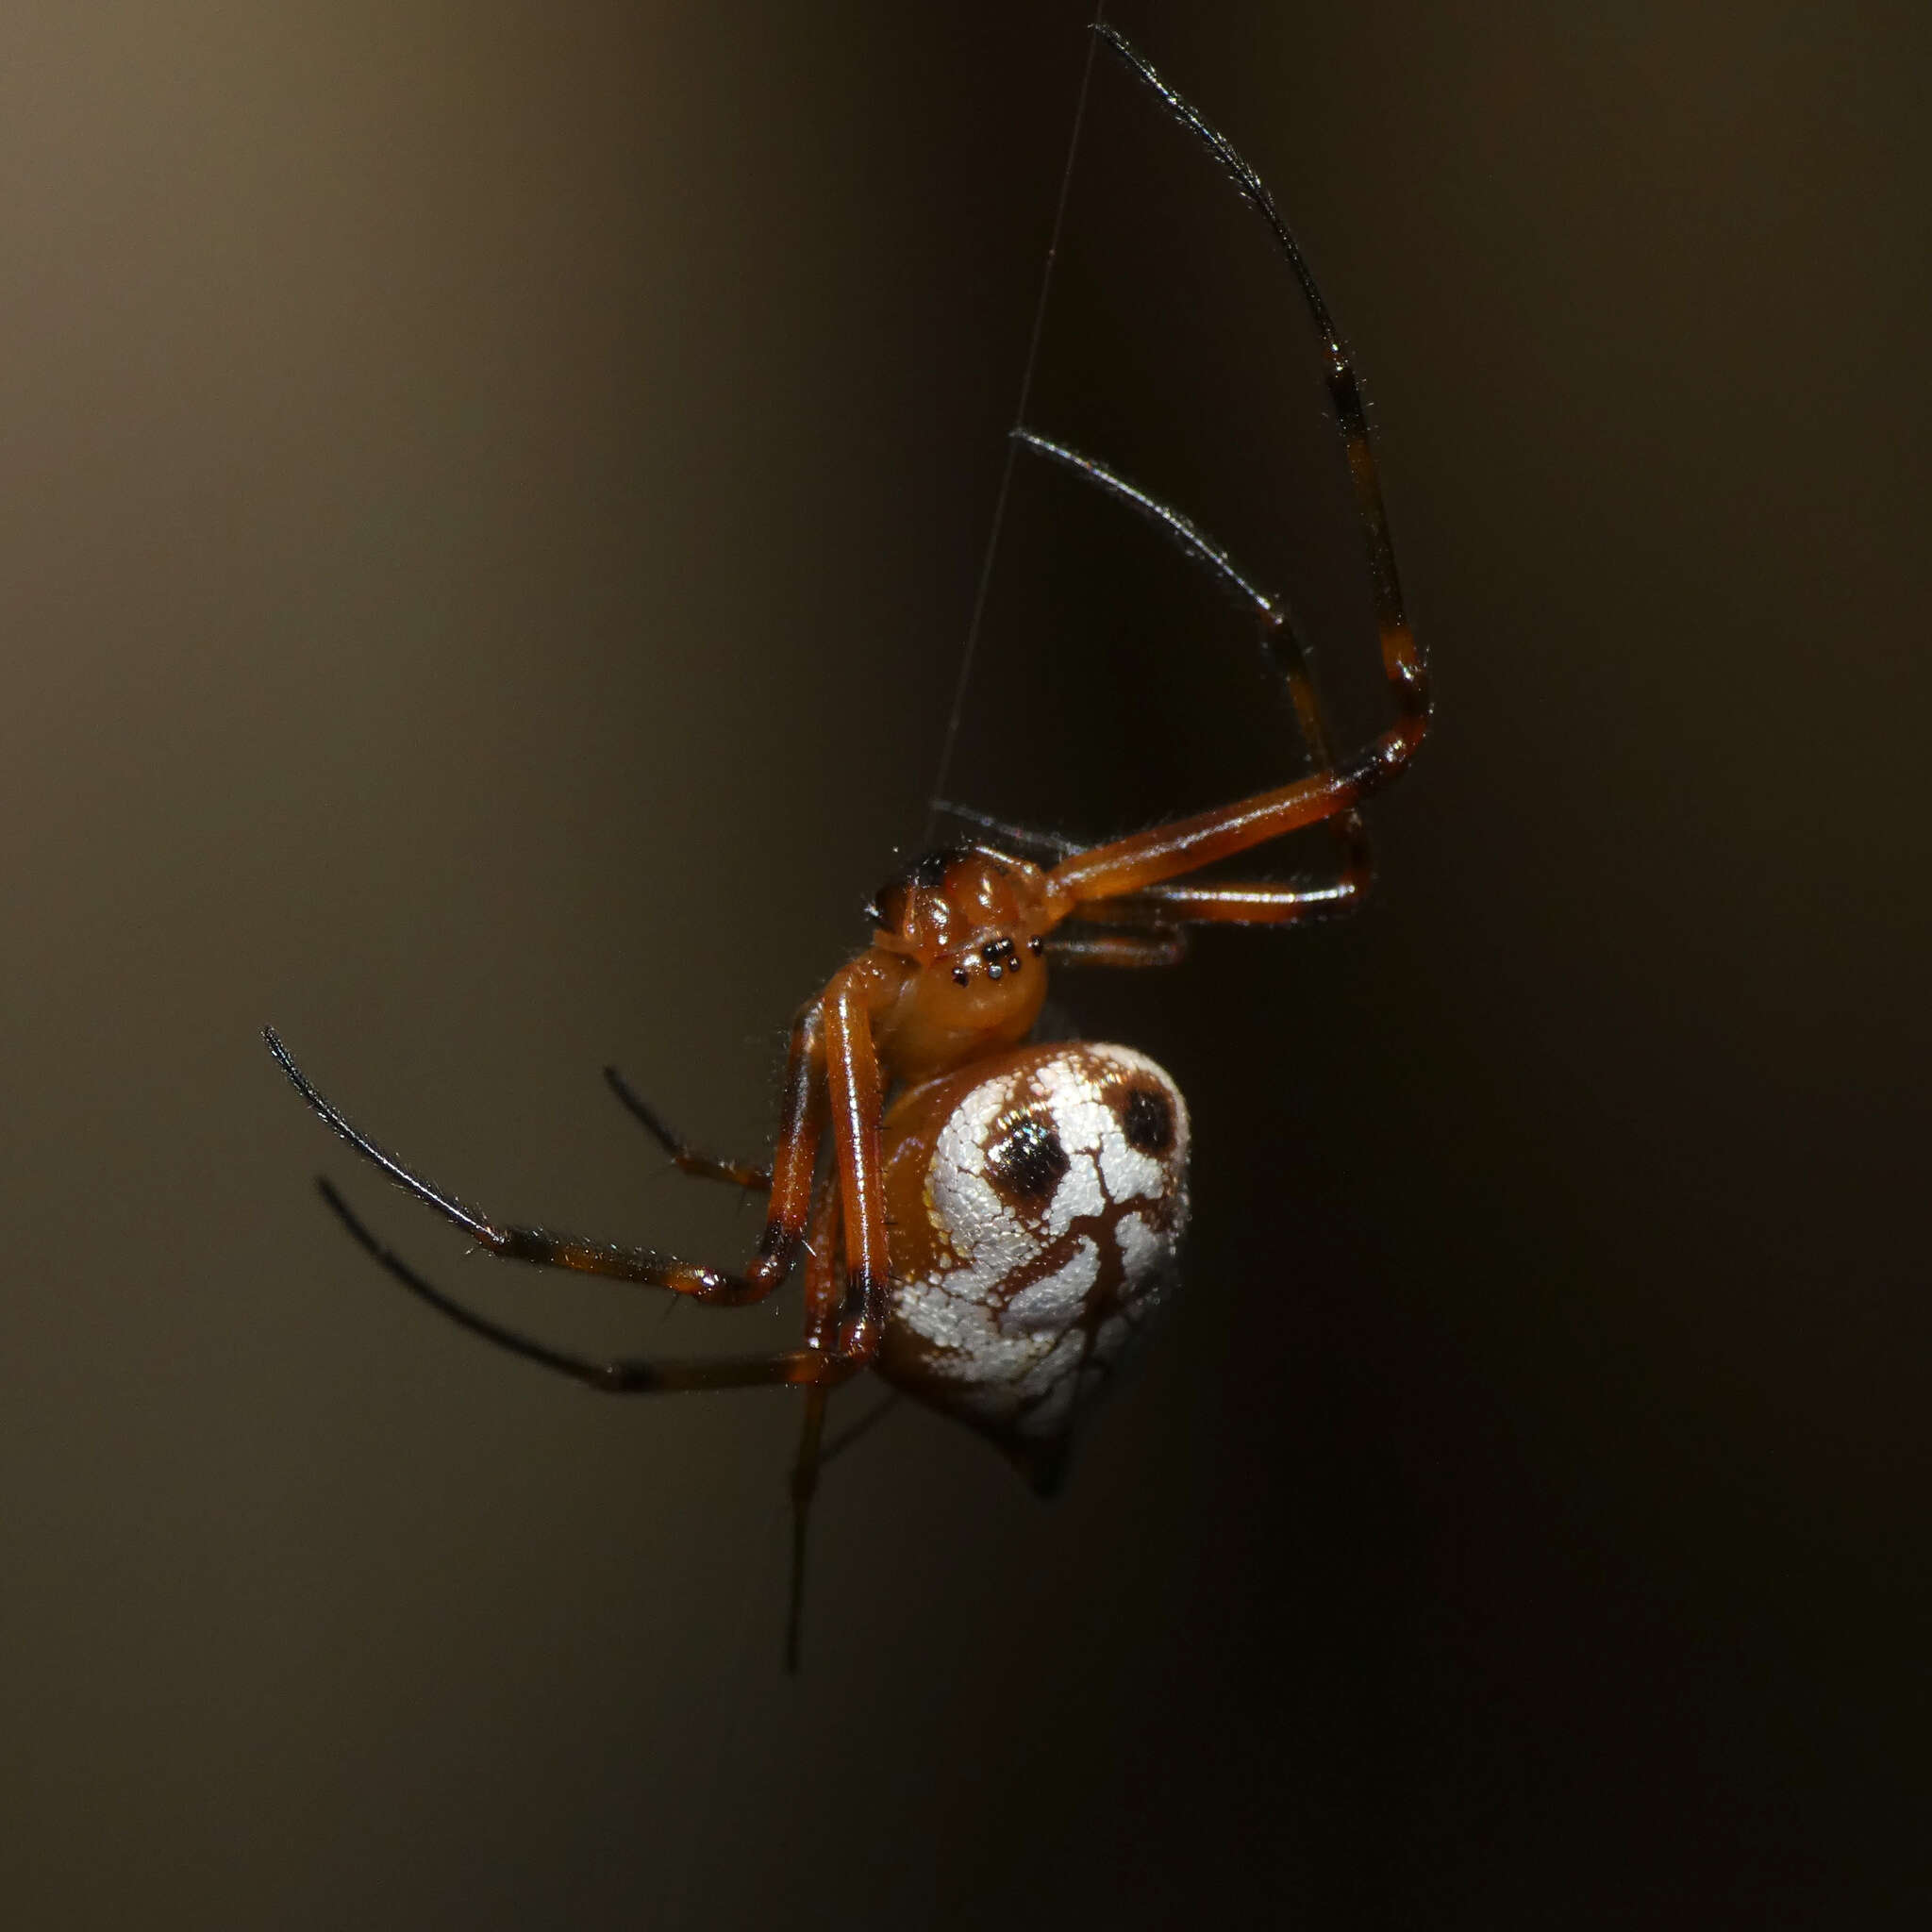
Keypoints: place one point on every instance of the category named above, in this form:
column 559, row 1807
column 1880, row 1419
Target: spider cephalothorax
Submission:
column 956, row 953
column 997, row 1221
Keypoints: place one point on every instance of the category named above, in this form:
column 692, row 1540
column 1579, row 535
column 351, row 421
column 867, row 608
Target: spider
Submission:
column 996, row 1220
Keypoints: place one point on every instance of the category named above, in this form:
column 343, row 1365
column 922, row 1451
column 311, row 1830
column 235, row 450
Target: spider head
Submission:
column 971, row 921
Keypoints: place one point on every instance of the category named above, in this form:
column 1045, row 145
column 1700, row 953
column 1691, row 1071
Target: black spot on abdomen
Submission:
column 1147, row 1120
column 1026, row 1162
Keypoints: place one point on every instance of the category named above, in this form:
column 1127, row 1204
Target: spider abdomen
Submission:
column 1037, row 1205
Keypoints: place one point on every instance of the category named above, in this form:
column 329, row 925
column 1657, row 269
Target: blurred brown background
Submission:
column 490, row 500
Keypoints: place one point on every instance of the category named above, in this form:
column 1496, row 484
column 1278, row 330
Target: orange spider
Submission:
column 1006, row 1214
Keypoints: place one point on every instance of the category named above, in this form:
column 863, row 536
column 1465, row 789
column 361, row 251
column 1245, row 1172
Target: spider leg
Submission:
column 823, row 1306
column 792, row 1368
column 1023, row 839
column 792, row 1165
column 1401, row 655
column 1279, row 631
column 863, row 1427
column 1131, row 865
column 825, row 1288
column 1150, row 928
column 1266, row 901
column 858, row 1097
column 1246, row 902
column 1156, row 946
column 805, row 1480
column 706, row 1167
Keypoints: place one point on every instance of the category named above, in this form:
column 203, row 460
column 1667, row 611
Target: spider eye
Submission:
column 960, row 976
column 1035, row 945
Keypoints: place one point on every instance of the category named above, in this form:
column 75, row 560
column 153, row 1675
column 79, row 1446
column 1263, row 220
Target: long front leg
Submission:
column 1401, row 656
column 1132, row 865
column 1288, row 648
column 1286, row 643
column 1184, row 845
column 1240, row 902
column 1149, row 946
column 792, row 1164
column 1150, row 928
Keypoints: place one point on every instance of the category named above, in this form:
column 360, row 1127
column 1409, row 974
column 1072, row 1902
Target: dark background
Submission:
column 490, row 501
